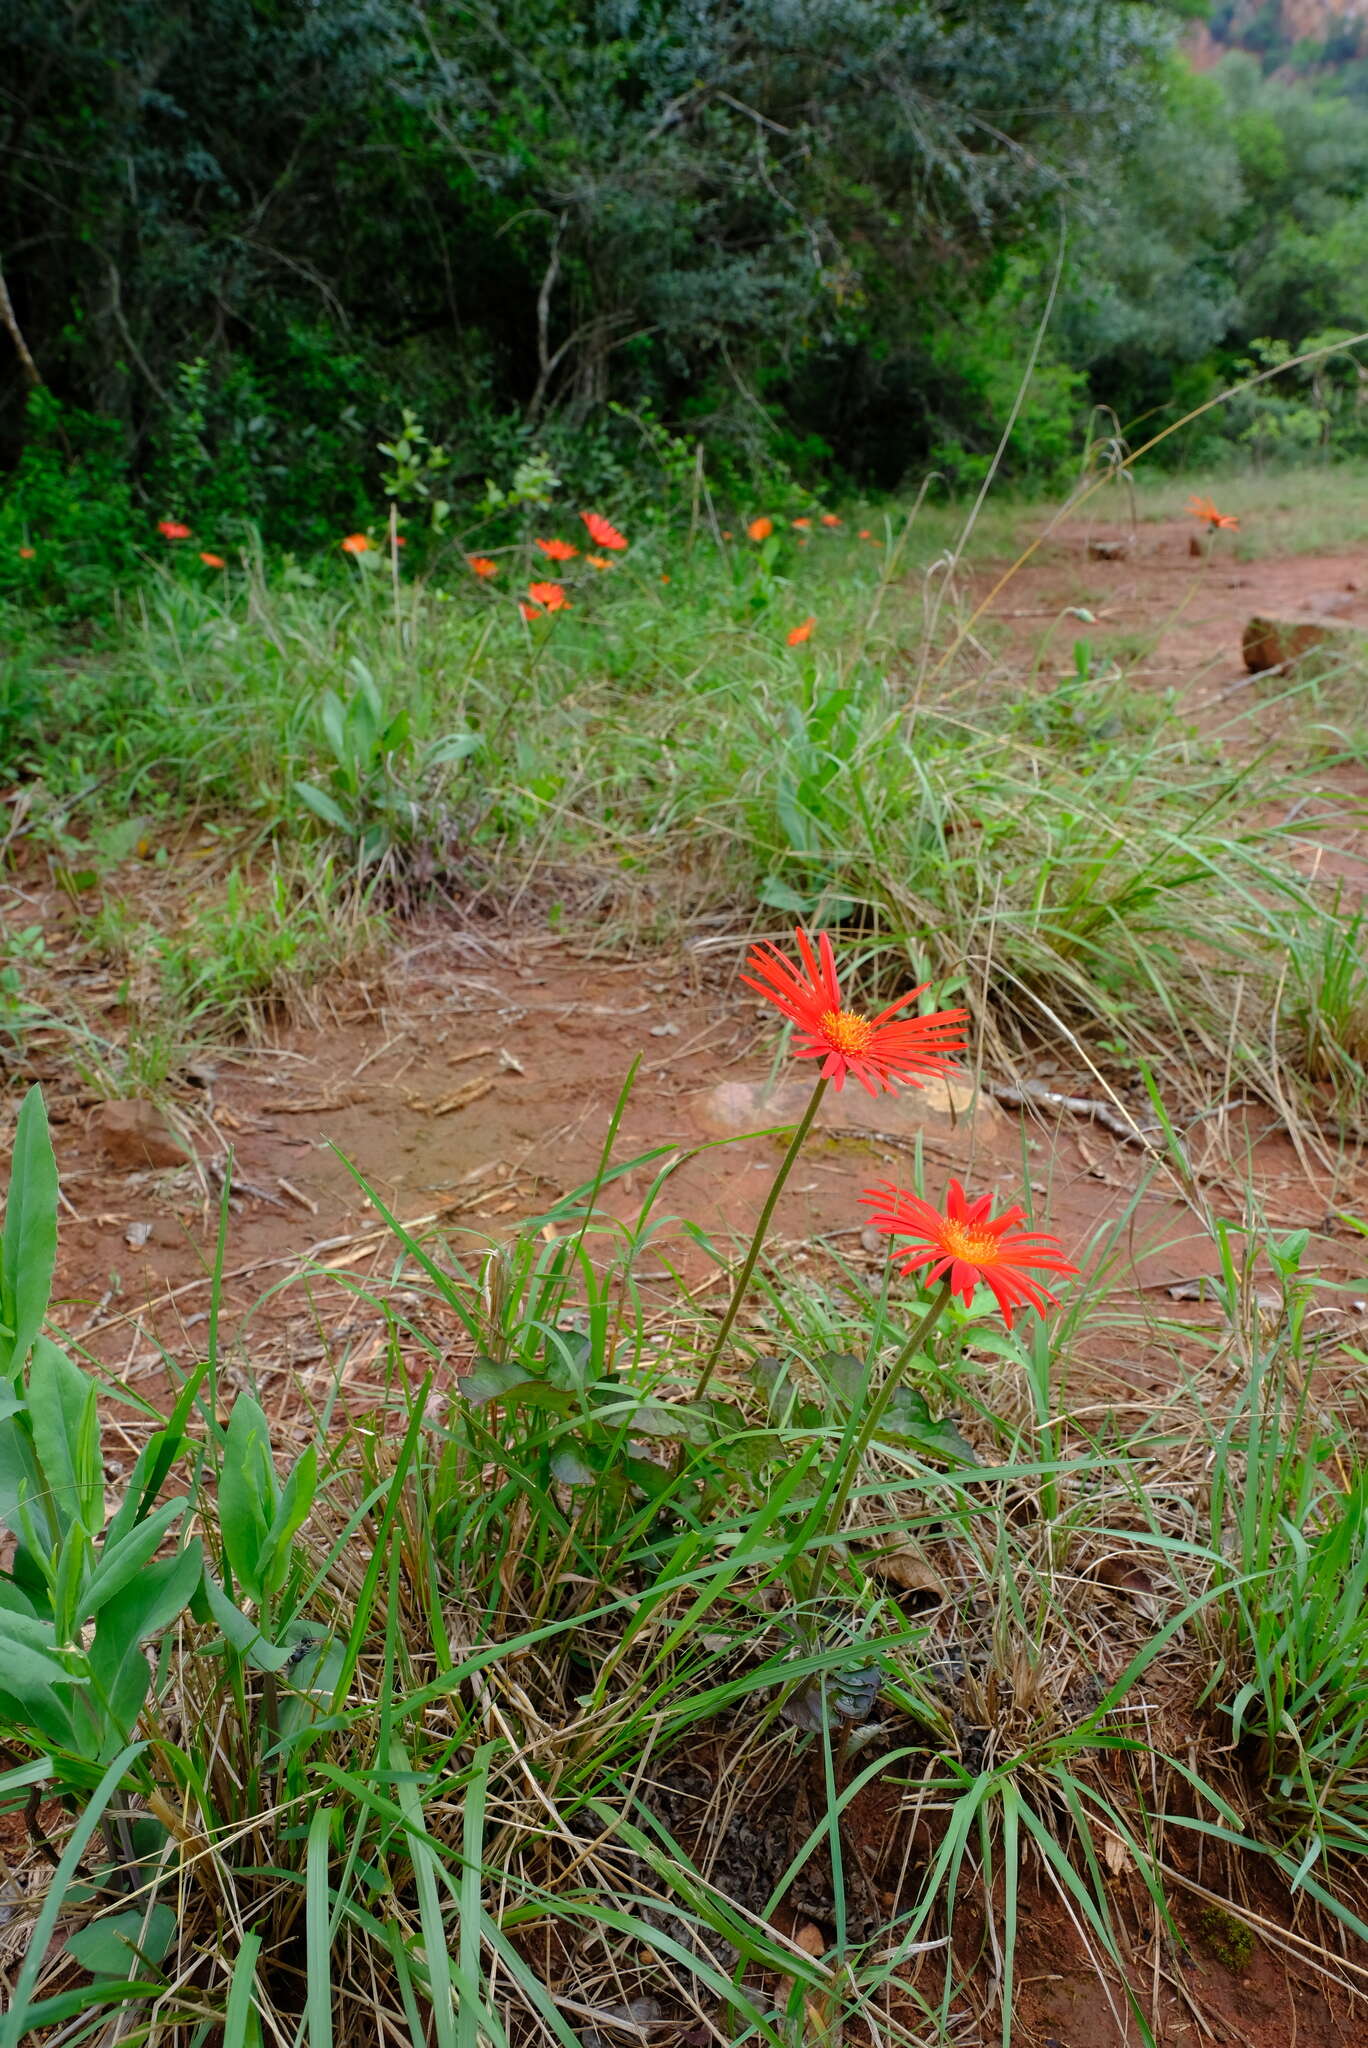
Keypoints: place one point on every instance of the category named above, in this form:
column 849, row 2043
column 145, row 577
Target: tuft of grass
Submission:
column 502, row 1696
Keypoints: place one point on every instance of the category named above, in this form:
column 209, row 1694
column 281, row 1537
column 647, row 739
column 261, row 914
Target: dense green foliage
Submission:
column 816, row 236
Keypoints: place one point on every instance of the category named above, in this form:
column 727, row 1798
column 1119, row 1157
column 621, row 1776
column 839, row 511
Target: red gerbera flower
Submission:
column 830, row 519
column 970, row 1246
column 173, row 529
column 213, row 561
column 801, row 633
column 878, row 1052
column 556, row 550
column 602, row 532
column 1202, row 508
column 355, row 544
column 482, row 565
column 760, row 529
column 550, row 596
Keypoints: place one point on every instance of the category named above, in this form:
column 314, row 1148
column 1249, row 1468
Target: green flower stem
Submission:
column 743, row 1278
column 874, row 1415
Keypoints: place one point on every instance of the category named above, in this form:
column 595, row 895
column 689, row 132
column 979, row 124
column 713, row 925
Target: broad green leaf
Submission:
column 490, row 1380
column 845, row 1376
column 333, row 720
column 572, row 1468
column 74, row 1558
column 322, row 806
column 22, row 1487
column 28, row 1249
column 28, row 1652
column 150, row 1603
column 307, row 1685
column 458, row 746
column 122, row 1561
column 115, row 1946
column 777, row 895
column 296, row 1499
column 38, row 1709
column 908, row 1420
column 248, row 1494
column 244, row 1635
column 65, row 1422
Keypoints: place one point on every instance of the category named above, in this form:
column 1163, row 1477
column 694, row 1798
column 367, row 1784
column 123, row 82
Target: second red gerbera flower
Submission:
column 967, row 1246
column 877, row 1051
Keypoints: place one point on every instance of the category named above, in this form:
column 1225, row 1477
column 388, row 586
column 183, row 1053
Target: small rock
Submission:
column 1276, row 643
column 941, row 1107
column 664, row 1031
column 135, row 1134
column 136, row 1236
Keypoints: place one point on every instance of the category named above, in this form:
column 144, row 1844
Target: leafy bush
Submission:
column 69, row 529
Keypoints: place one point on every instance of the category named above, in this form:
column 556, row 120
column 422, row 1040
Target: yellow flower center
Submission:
column 975, row 1247
column 847, row 1031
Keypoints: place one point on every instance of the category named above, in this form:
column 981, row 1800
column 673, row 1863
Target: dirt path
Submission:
column 474, row 1091
column 1174, row 621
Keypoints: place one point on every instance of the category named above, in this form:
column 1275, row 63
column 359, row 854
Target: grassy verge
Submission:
column 657, row 756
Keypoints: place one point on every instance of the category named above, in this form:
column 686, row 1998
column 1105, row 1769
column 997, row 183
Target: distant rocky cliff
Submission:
column 1273, row 28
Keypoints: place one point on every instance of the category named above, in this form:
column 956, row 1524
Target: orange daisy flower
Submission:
column 865, row 533
column 877, row 1051
column 726, row 533
column 550, row 596
column 602, row 532
column 598, row 561
column 970, row 1247
column 355, row 544
column 802, row 522
column 26, row 554
column 830, row 519
column 482, row 565
column 556, row 550
column 760, row 529
column 173, row 529
column 213, row 561
column 801, row 633
column 1202, row 508
column 530, row 611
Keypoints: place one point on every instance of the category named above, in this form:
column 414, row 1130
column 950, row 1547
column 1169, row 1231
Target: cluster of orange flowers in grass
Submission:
column 762, row 527
column 545, row 598
column 176, row 529
column 961, row 1245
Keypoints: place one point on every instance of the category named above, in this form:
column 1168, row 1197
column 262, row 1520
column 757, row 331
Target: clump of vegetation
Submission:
column 329, row 1718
